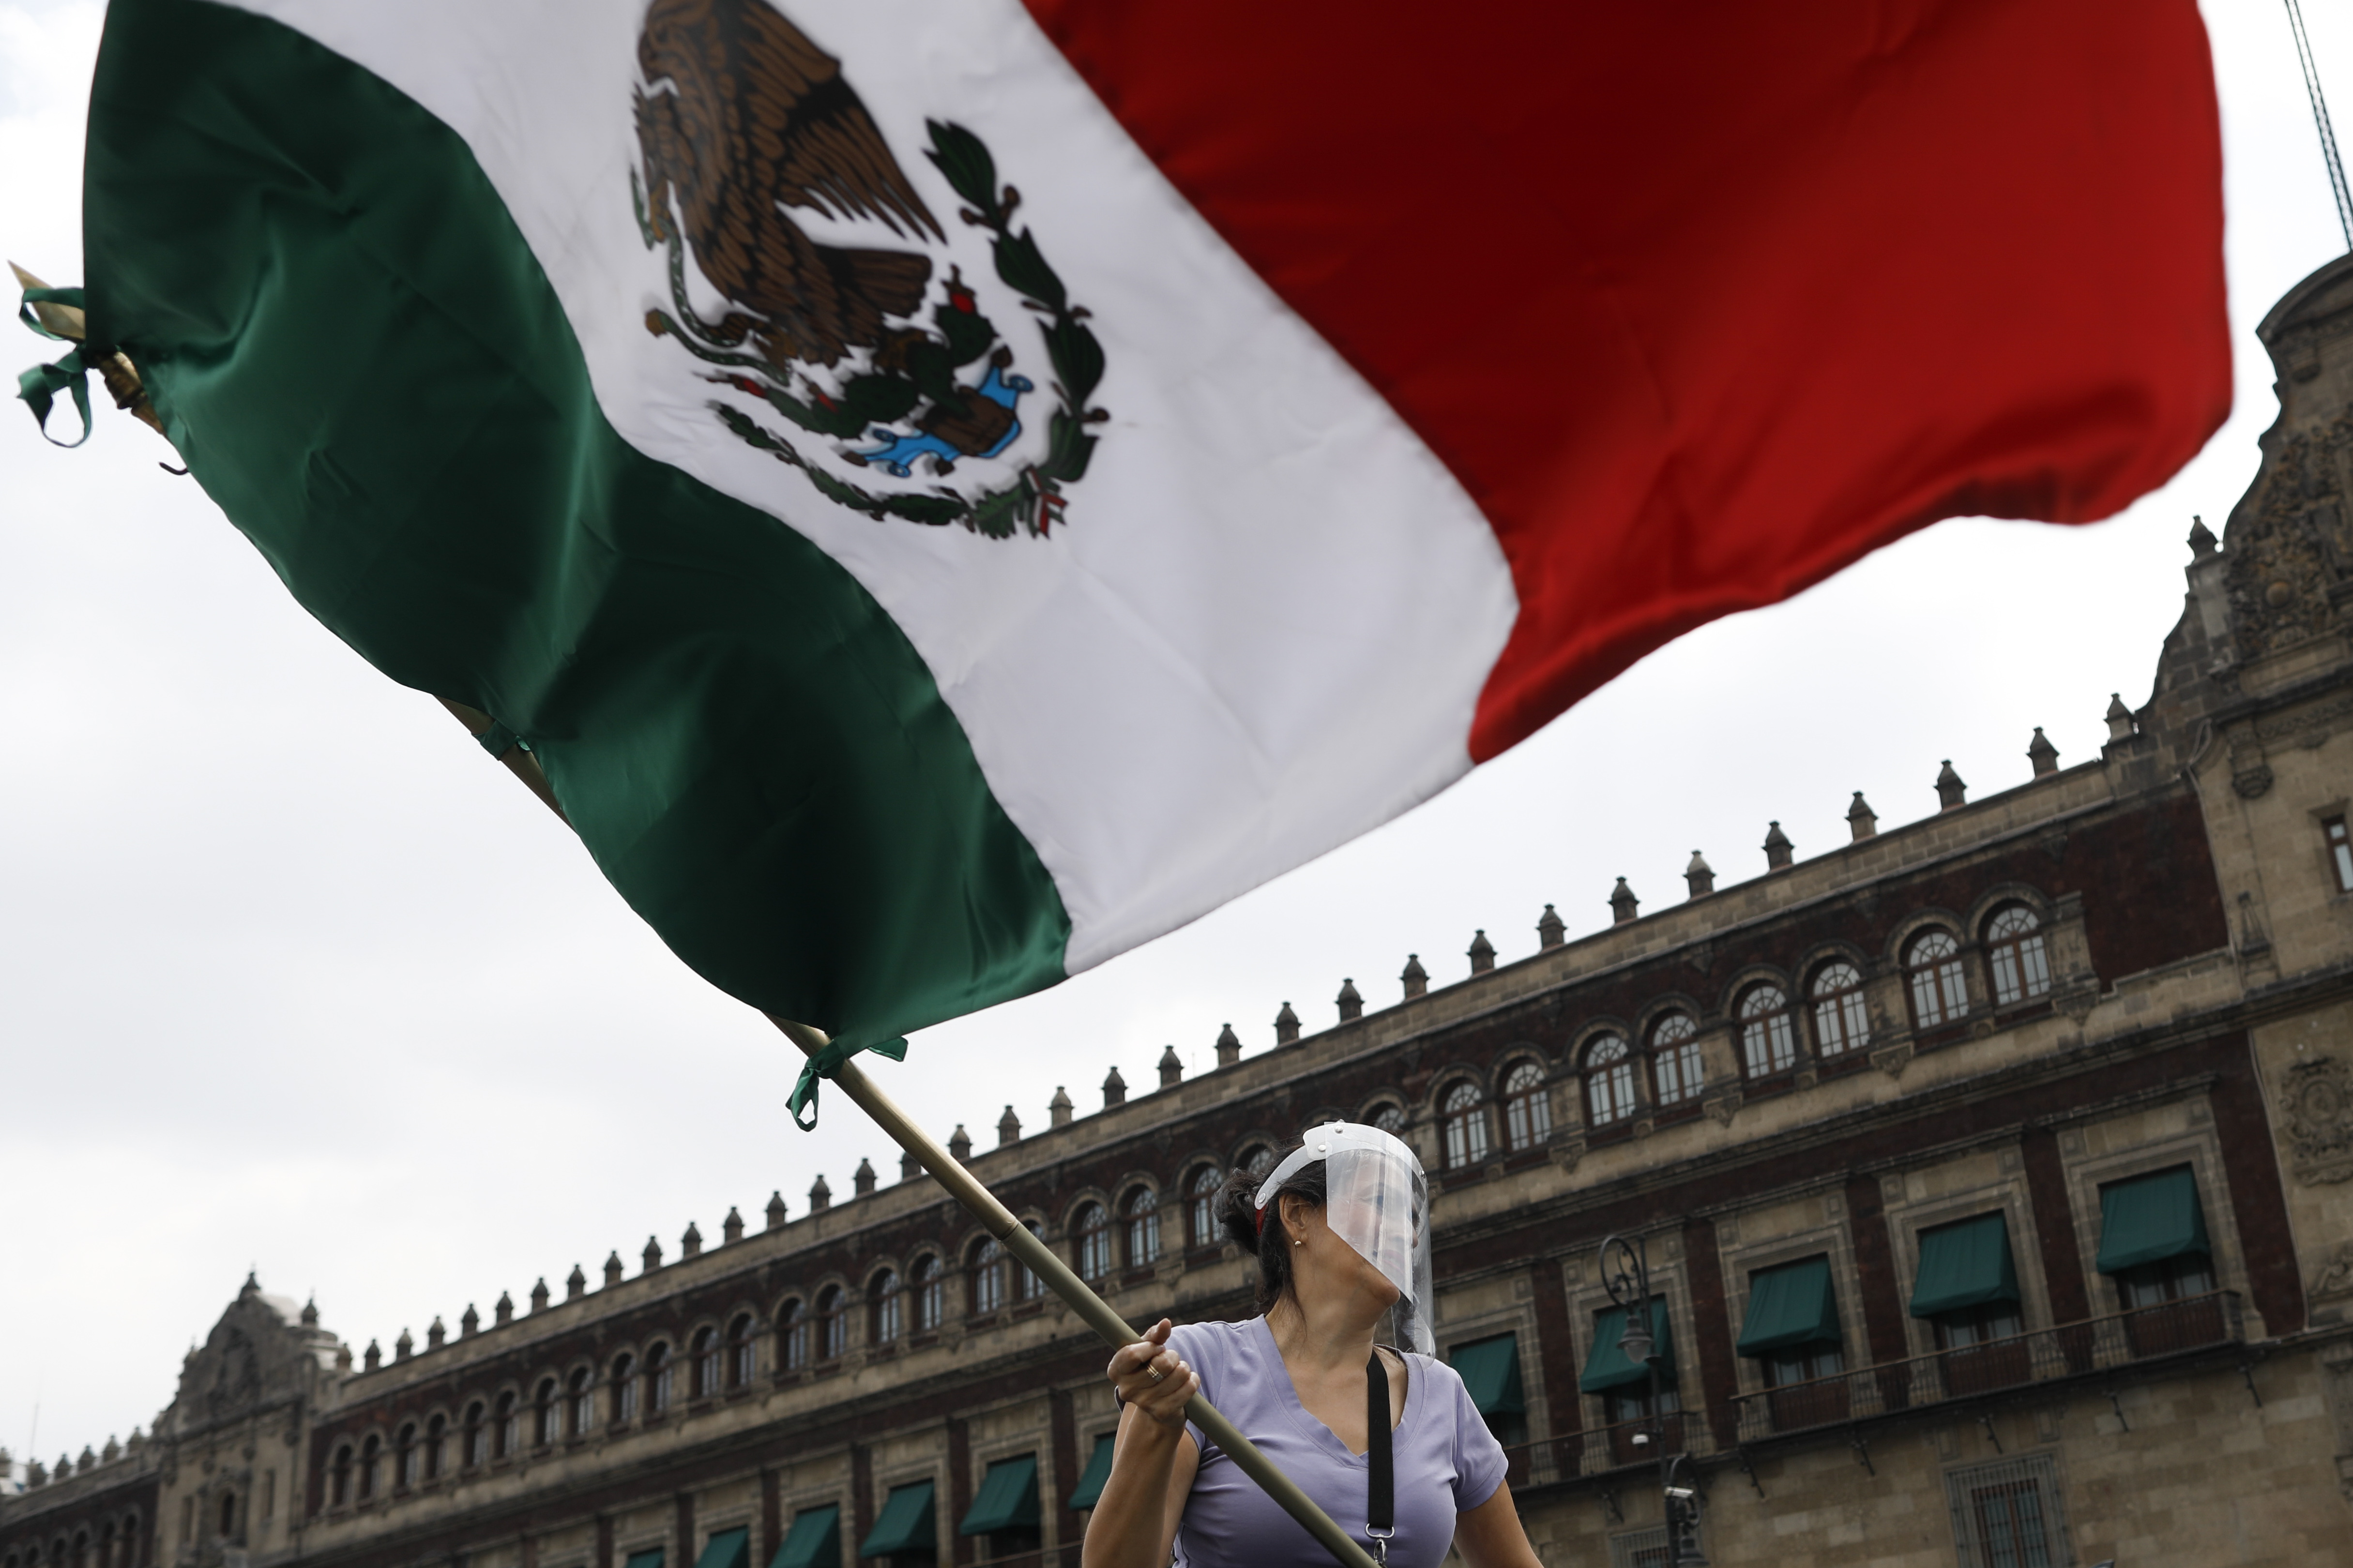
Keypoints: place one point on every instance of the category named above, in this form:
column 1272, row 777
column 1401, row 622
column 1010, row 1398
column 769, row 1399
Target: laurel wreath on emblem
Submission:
column 900, row 376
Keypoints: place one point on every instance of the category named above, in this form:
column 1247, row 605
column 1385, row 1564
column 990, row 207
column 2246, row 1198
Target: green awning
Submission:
column 1788, row 1307
column 1490, row 1369
column 1008, row 1500
column 651, row 1557
column 906, row 1525
column 726, row 1549
column 1098, row 1471
column 1607, row 1367
column 2151, row 1218
column 1963, row 1265
column 814, row 1541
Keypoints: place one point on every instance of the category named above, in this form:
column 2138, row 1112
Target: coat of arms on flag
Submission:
column 898, row 395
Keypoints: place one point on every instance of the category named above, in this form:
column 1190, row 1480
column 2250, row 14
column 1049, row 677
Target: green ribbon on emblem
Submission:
column 827, row 1063
column 39, row 386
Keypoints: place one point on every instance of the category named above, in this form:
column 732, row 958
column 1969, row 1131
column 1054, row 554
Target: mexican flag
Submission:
column 950, row 490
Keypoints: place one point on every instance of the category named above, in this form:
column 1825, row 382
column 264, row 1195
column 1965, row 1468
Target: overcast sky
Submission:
column 292, row 978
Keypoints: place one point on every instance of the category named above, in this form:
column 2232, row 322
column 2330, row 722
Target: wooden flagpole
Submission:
column 999, row 1222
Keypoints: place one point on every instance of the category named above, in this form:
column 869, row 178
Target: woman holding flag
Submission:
column 1386, row 1440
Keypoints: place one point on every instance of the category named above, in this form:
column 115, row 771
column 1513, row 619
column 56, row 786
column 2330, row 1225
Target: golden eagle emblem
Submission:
column 899, row 396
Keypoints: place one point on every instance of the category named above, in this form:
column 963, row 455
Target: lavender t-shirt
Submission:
column 1446, row 1459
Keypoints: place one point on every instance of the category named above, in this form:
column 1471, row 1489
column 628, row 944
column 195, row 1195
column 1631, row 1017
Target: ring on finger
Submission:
column 1157, row 1375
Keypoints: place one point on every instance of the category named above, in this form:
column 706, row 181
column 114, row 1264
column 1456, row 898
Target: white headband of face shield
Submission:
column 1376, row 1200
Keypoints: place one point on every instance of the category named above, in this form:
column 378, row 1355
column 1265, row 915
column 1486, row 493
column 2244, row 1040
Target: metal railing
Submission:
column 1605, row 1449
column 2096, row 1344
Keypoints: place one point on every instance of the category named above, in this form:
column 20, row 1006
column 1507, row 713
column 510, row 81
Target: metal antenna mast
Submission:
column 2320, row 119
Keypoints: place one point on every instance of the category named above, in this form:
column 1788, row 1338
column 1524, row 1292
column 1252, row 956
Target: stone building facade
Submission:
column 1995, row 1174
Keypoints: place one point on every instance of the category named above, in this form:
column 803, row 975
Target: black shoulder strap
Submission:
column 1380, row 1485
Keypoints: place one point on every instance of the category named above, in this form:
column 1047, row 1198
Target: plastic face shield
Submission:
column 1376, row 1200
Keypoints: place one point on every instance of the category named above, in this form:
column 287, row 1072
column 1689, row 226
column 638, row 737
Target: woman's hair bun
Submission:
column 1236, row 1206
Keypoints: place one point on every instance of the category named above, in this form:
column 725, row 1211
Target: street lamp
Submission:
column 1626, row 1275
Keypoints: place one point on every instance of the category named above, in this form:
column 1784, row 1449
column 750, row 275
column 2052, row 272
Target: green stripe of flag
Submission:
column 362, row 361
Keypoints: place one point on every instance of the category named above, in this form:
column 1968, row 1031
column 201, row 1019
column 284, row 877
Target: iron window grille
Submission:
column 2008, row 1514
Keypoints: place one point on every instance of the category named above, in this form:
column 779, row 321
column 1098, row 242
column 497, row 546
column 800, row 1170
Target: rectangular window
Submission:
column 2154, row 1245
column 2008, row 1515
column 2340, row 853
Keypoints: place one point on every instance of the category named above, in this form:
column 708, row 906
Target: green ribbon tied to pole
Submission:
column 39, row 386
column 825, row 1064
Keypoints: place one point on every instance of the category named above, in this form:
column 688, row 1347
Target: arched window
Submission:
column 796, row 1333
column 1090, row 1240
column 2015, row 957
column 984, row 1278
column 339, row 1477
column 882, row 1292
column 1608, row 1081
column 661, row 1378
column 546, row 1416
column 1463, row 1116
column 707, row 1362
column 1674, row 1060
column 624, row 1388
column 106, row 1545
column 508, row 1439
column 1841, row 1024
column 1528, row 1108
column 404, row 1457
column 743, row 1362
column 1201, row 1207
column 471, row 1445
column 583, row 1389
column 131, row 1541
column 1768, row 1044
column 370, row 1452
column 436, row 1437
column 928, row 1283
column 1027, row 1286
column 1257, row 1159
column 1143, row 1212
column 832, row 1330
column 1939, row 994
column 1389, row 1117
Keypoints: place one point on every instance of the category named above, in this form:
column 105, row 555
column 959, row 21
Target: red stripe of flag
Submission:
column 1702, row 303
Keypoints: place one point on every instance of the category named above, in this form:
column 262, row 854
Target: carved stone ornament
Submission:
column 2335, row 1279
column 2294, row 542
column 2253, row 782
column 2316, row 1098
